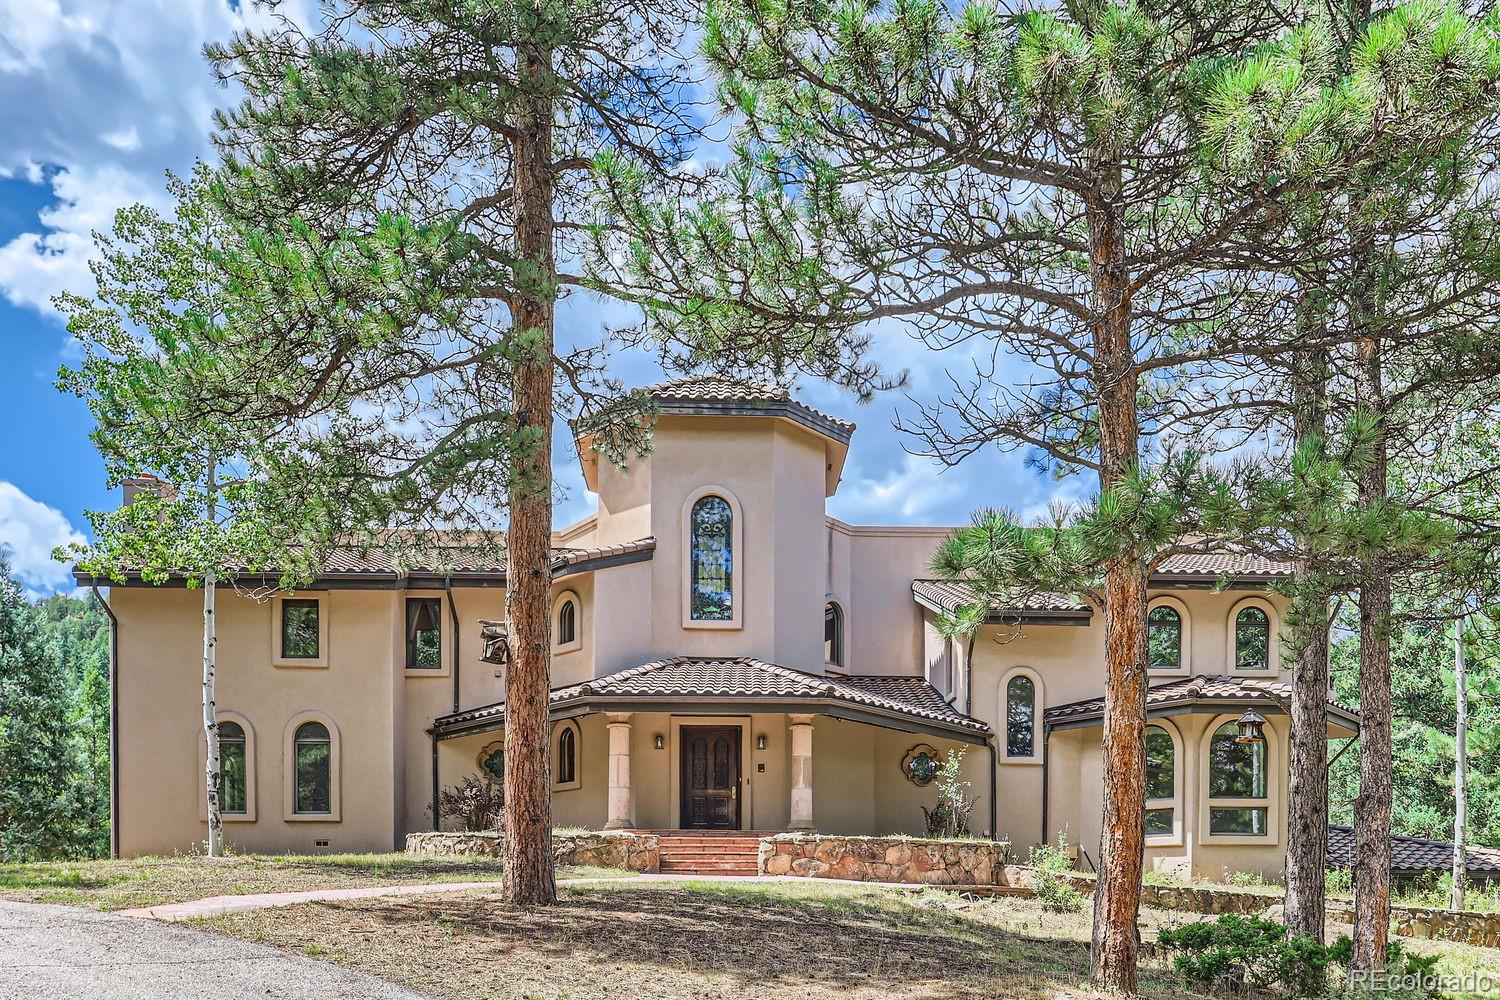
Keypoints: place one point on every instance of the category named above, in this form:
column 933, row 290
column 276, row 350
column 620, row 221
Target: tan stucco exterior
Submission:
column 790, row 559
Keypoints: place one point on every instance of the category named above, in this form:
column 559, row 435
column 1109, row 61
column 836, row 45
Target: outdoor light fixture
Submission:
column 660, row 741
column 760, row 742
column 1252, row 728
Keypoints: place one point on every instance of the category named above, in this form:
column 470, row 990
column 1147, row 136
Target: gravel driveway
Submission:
column 62, row 953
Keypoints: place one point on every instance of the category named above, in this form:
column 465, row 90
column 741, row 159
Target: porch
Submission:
column 727, row 745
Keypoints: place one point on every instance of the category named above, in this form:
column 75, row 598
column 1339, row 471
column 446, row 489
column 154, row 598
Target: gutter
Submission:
column 114, row 723
column 437, row 813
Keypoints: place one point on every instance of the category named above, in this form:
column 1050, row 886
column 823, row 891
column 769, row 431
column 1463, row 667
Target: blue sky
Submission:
column 101, row 99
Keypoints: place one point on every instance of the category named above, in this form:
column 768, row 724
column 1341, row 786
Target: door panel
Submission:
column 710, row 777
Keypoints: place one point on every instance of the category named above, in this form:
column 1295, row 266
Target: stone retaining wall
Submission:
column 638, row 852
column 883, row 859
column 1423, row 922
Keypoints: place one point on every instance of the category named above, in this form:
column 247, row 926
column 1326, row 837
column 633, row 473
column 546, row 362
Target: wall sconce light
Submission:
column 659, row 741
column 760, row 741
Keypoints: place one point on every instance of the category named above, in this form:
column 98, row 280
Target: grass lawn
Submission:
column 808, row 940
column 119, row 885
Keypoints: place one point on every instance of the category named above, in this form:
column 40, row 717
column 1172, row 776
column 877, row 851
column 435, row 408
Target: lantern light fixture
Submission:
column 760, row 741
column 660, row 742
column 1252, row 728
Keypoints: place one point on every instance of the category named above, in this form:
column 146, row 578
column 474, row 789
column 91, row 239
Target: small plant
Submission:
column 1338, row 881
column 1235, row 953
column 476, row 803
column 1407, row 976
column 950, row 816
column 1052, row 867
column 1245, row 878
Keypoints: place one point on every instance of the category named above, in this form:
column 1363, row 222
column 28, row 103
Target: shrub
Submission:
column 1338, row 881
column 1245, row 878
column 1235, row 953
column 1051, row 886
column 1409, row 976
column 950, row 816
column 476, row 804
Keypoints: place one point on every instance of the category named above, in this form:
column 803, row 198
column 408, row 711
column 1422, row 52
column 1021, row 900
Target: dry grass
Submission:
column 811, row 941
column 117, row 885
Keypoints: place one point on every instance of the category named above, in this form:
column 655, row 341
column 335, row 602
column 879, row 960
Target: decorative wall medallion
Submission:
column 492, row 760
column 920, row 764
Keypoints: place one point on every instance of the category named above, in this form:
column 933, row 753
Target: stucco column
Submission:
column 802, row 790
column 621, row 804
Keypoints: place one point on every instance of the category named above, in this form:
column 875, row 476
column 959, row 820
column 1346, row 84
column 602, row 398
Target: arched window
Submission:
column 1161, row 782
column 565, row 757
column 233, row 788
column 1020, row 694
column 711, row 582
column 833, row 634
column 1237, row 798
column 1164, row 638
column 1252, row 640
column 314, row 769
column 567, row 623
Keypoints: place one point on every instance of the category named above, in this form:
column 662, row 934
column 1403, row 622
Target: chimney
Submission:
column 144, row 483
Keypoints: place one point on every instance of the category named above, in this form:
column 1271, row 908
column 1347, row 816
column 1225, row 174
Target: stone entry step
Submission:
column 710, row 853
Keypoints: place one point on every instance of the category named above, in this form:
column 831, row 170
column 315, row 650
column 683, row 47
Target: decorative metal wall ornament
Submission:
column 920, row 765
column 494, row 636
column 492, row 760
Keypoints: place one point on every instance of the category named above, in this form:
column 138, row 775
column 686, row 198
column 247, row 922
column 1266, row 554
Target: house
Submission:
column 726, row 656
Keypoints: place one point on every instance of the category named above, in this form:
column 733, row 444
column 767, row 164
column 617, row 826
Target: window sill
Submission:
column 732, row 624
column 318, row 664
column 312, row 818
column 1237, row 840
column 571, row 647
column 1164, row 841
column 1179, row 672
column 224, row 817
column 426, row 672
column 1022, row 761
column 570, row 786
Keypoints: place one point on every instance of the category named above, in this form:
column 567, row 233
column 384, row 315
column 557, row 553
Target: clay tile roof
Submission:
column 1412, row 856
column 1215, row 564
column 948, row 596
column 683, row 677
column 1207, row 688
column 729, row 394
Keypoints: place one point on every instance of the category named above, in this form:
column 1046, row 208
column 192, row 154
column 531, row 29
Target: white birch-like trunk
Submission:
column 212, row 776
column 1460, row 770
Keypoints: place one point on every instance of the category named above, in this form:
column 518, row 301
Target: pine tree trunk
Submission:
column 1307, row 793
column 1460, row 768
column 1372, row 809
column 210, row 715
column 527, row 863
column 1117, row 894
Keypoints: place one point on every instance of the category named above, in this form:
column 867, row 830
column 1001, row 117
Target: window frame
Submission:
column 1273, row 642
column 249, row 815
column 289, row 771
column 1271, row 803
column 837, row 660
column 1174, row 803
column 1185, row 638
column 1038, row 702
column 441, row 670
column 561, row 599
column 567, row 726
column 737, row 554
column 278, row 605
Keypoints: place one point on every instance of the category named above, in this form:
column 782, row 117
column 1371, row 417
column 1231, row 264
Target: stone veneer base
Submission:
column 637, row 852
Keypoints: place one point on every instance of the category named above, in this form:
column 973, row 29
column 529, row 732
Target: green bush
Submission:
column 1406, row 971
column 1051, row 886
column 1338, row 881
column 1235, row 953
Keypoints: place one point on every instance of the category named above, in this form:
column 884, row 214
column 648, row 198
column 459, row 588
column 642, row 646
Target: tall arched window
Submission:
column 833, row 634
column 565, row 757
column 233, row 788
column 1237, row 797
column 1161, row 782
column 567, row 623
column 1164, row 638
column 711, row 534
column 1020, row 716
column 314, row 768
column 1252, row 640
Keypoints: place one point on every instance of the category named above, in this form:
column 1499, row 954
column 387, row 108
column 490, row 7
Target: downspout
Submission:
column 994, row 811
column 437, row 813
column 1046, row 776
column 114, row 723
column 453, row 620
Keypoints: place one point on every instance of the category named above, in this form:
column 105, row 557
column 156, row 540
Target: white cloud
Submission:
column 124, row 140
column 29, row 531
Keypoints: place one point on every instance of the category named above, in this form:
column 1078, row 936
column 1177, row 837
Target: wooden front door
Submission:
column 710, row 777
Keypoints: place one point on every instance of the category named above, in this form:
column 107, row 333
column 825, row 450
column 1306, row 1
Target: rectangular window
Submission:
column 299, row 630
column 1248, row 821
column 312, row 777
column 1159, row 822
column 232, row 797
column 424, row 644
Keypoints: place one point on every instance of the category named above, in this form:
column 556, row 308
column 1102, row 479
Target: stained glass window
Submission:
column 1252, row 640
column 1164, row 638
column 1020, row 717
column 712, row 534
column 314, row 768
column 232, row 790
